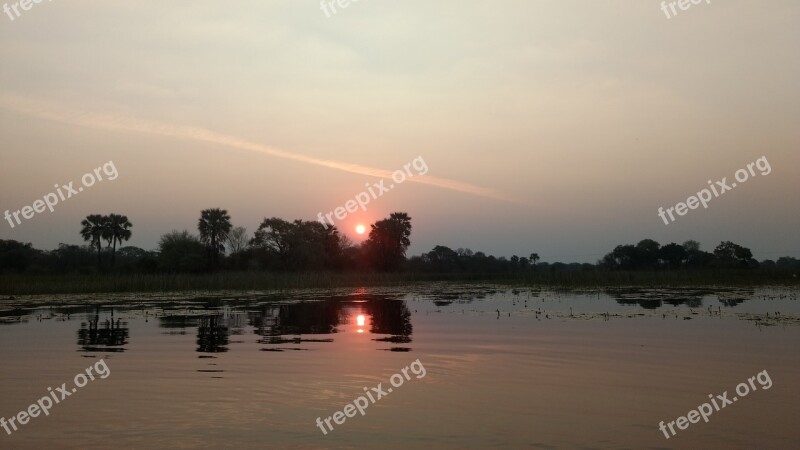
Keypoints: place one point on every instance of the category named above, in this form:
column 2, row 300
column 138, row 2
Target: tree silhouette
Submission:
column 179, row 251
column 730, row 253
column 16, row 256
column 696, row 257
column 691, row 246
column 94, row 229
column 388, row 241
column 299, row 245
column 214, row 226
column 116, row 230
column 646, row 254
column 534, row 258
column 442, row 259
column 237, row 240
column 275, row 236
column 673, row 255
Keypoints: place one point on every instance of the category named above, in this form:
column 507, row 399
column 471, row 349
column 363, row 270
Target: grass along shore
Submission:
column 13, row 284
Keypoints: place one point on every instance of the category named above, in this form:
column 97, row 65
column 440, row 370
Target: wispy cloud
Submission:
column 59, row 113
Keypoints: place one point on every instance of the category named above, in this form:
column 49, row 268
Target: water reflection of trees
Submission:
column 387, row 316
column 178, row 324
column 214, row 330
column 107, row 335
column 441, row 297
column 693, row 298
column 656, row 298
column 292, row 322
column 276, row 320
column 213, row 334
column 390, row 317
column 733, row 298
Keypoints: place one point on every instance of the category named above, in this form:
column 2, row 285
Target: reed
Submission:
column 12, row 284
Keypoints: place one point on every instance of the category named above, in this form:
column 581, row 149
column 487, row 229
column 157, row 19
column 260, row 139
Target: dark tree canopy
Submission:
column 214, row 225
column 113, row 228
column 388, row 241
column 281, row 245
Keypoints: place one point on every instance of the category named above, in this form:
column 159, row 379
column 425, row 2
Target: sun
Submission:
column 360, row 229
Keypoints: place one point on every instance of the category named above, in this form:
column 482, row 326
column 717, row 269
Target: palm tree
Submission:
column 94, row 229
column 116, row 230
column 388, row 241
column 214, row 226
column 533, row 258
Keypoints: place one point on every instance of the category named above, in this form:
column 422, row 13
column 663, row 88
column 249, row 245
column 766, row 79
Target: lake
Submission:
column 469, row 366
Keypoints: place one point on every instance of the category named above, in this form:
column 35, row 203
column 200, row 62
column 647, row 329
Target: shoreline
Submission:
column 26, row 284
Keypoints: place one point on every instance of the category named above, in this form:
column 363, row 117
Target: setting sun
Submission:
column 360, row 229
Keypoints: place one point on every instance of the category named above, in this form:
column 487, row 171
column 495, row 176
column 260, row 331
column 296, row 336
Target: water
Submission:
column 503, row 368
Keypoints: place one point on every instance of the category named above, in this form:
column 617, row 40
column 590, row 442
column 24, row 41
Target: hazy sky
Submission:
column 558, row 127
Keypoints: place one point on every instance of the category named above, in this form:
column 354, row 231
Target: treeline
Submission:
column 650, row 255
column 277, row 245
column 294, row 246
column 646, row 255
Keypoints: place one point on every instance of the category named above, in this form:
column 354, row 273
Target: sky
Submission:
column 555, row 127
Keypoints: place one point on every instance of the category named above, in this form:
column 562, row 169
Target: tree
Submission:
column 214, row 226
column 16, row 256
column 71, row 258
column 137, row 259
column 179, row 251
column 691, row 246
column 388, row 242
column 787, row 262
column 338, row 247
column 237, row 240
column 441, row 259
column 273, row 234
column 696, row 257
column 624, row 256
column 465, row 252
column 673, row 255
column 301, row 245
column 743, row 254
column 309, row 246
column 730, row 253
column 273, row 239
column 534, row 258
column 607, row 262
column 94, row 229
column 647, row 251
column 116, row 230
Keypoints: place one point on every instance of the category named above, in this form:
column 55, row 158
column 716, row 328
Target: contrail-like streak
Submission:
column 119, row 123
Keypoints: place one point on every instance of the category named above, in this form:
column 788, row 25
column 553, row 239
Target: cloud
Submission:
column 58, row 113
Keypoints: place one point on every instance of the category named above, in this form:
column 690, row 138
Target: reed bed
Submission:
column 12, row 284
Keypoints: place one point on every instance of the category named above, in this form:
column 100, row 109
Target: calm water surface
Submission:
column 521, row 368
